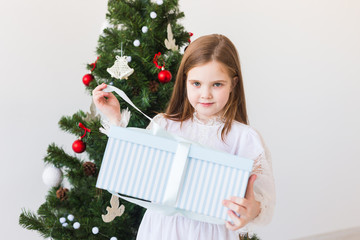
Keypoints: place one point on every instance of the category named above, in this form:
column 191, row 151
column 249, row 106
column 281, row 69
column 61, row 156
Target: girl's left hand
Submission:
column 248, row 208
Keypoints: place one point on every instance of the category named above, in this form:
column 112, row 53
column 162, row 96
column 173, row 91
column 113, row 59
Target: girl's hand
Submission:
column 248, row 208
column 107, row 103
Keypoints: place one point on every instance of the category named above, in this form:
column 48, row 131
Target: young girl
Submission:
column 208, row 106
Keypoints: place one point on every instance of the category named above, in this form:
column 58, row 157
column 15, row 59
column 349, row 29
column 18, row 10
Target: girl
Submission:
column 208, row 106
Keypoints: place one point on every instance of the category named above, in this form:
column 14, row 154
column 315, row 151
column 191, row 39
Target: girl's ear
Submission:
column 234, row 82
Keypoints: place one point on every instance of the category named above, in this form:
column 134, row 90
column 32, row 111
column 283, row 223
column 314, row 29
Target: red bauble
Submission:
column 79, row 146
column 164, row 76
column 87, row 78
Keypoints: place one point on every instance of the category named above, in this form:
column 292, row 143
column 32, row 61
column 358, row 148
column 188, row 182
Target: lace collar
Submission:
column 214, row 121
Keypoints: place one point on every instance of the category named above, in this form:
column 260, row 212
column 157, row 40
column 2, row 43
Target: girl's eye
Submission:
column 196, row 84
column 217, row 84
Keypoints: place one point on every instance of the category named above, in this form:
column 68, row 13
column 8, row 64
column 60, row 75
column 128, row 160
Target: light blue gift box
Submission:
column 163, row 172
column 172, row 175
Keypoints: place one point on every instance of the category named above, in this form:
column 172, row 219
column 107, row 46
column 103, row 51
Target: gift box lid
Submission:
column 145, row 137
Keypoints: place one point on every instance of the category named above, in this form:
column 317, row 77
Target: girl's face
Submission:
column 208, row 89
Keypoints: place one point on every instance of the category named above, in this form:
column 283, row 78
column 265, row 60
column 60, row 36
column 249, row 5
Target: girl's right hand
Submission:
column 107, row 103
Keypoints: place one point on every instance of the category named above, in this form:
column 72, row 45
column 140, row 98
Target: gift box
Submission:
column 171, row 174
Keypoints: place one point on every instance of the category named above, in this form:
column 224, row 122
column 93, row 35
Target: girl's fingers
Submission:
column 99, row 88
column 250, row 188
column 235, row 207
column 101, row 94
column 237, row 221
column 97, row 96
column 240, row 201
column 230, row 226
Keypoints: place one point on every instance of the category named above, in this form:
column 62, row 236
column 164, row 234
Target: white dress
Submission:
column 243, row 141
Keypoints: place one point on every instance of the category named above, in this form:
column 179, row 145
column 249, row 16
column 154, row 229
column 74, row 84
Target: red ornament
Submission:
column 79, row 146
column 87, row 78
column 94, row 64
column 190, row 35
column 164, row 76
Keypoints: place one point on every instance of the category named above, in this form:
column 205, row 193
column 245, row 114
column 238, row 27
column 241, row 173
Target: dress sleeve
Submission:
column 264, row 186
column 125, row 117
column 159, row 119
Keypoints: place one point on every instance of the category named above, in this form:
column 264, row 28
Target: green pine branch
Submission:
column 247, row 237
column 59, row 158
column 31, row 221
column 71, row 124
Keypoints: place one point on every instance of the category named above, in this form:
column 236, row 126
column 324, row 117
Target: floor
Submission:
column 347, row 234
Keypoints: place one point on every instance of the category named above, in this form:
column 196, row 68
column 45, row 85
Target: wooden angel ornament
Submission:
column 113, row 211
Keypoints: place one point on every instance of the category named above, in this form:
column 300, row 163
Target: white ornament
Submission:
column 65, row 224
column 144, row 29
column 52, row 176
column 120, row 69
column 113, row 238
column 70, row 217
column 95, row 230
column 170, row 41
column 153, row 15
column 136, row 43
column 92, row 115
column 105, row 25
column 62, row 220
column 128, row 58
column 76, row 225
column 159, row 2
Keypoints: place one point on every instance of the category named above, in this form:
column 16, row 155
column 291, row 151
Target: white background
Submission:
column 300, row 62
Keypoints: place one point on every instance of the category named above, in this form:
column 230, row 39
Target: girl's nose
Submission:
column 206, row 93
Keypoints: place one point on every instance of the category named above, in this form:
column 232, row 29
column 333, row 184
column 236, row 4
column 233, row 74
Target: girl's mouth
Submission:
column 206, row 104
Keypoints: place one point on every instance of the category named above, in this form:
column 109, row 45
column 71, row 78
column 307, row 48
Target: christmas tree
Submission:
column 138, row 51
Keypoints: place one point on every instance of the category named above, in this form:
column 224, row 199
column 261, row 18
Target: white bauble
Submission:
column 65, row 224
column 70, row 217
column 105, row 25
column 95, row 230
column 76, row 225
column 52, row 176
column 144, row 29
column 136, row 43
column 153, row 15
column 62, row 220
column 113, row 238
column 159, row 2
column 128, row 58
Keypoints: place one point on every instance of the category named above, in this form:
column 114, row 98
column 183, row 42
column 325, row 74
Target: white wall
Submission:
column 300, row 63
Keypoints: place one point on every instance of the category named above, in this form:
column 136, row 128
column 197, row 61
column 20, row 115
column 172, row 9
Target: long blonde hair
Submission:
column 205, row 49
